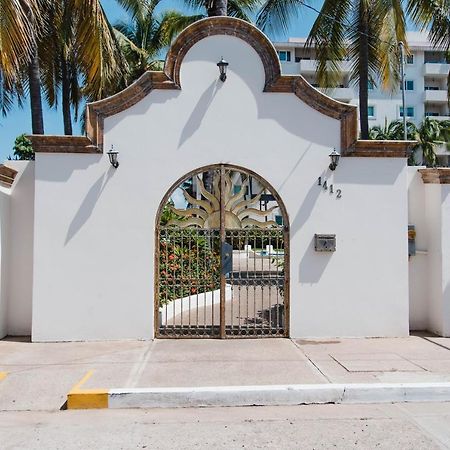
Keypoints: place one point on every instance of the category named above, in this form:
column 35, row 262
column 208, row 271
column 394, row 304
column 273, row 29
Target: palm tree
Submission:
column 392, row 131
column 432, row 16
column 18, row 20
column 78, row 54
column 366, row 32
column 144, row 37
column 429, row 135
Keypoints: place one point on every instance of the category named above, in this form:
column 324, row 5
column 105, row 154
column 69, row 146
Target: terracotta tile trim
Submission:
column 436, row 176
column 222, row 26
column 380, row 149
column 170, row 79
column 7, row 176
column 62, row 144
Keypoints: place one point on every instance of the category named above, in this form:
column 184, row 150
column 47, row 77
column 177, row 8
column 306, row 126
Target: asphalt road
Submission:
column 405, row 426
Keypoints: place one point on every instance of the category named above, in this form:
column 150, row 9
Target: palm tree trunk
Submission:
column 37, row 119
column 363, row 28
column 217, row 8
column 67, row 115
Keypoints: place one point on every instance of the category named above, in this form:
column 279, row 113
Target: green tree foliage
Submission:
column 147, row 33
column 429, row 135
column 189, row 264
column 22, row 148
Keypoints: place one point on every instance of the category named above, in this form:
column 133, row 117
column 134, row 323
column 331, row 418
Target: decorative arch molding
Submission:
column 170, row 79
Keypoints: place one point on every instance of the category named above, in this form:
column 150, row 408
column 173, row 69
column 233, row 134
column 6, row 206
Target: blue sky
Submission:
column 18, row 120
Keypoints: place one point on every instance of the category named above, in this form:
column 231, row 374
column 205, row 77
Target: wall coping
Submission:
column 62, row 144
column 380, row 149
column 439, row 175
column 7, row 176
column 169, row 78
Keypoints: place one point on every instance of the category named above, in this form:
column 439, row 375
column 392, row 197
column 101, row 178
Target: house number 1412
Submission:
column 325, row 187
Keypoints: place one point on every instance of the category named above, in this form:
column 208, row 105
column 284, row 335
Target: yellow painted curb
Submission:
column 88, row 399
column 3, row 375
column 79, row 398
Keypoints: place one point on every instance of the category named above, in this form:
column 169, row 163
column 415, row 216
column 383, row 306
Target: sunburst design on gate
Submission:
column 239, row 212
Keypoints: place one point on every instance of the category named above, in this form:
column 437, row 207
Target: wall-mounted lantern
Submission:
column 222, row 65
column 112, row 154
column 334, row 156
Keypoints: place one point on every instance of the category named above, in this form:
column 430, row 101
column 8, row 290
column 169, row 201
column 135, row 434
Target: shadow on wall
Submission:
column 88, row 204
column 64, row 171
column 270, row 106
column 313, row 264
column 305, row 209
column 199, row 111
column 376, row 171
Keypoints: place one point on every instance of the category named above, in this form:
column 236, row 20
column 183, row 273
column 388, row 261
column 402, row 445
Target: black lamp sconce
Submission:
column 112, row 155
column 334, row 157
column 222, row 65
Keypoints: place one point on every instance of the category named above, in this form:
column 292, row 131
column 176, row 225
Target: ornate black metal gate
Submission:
column 222, row 257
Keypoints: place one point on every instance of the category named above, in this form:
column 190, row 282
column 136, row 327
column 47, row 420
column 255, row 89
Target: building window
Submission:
column 371, row 112
column 409, row 85
column 431, row 88
column 409, row 111
column 431, row 114
column 284, row 55
column 409, row 59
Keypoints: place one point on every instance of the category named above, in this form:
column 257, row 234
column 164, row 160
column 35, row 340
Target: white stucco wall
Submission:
column 418, row 264
column 4, row 258
column 21, row 250
column 445, row 243
column 434, row 226
column 94, row 226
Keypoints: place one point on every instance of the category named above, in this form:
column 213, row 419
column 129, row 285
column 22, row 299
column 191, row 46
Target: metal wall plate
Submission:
column 411, row 240
column 325, row 242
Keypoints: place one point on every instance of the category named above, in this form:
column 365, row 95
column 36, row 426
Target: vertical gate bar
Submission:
column 269, row 284
column 286, row 278
column 277, row 315
column 189, row 275
column 166, row 287
column 157, row 283
column 197, row 250
column 222, row 241
column 174, row 286
column 209, row 246
column 181, row 279
column 231, row 237
column 239, row 283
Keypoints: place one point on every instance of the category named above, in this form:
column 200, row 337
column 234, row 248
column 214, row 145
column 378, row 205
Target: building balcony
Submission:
column 309, row 66
column 436, row 69
column 439, row 96
column 290, row 68
column 440, row 118
column 341, row 94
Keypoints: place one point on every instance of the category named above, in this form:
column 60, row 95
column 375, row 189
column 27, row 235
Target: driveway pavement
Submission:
column 38, row 376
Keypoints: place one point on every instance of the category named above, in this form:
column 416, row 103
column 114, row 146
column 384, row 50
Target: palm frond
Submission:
column 277, row 15
column 170, row 25
column 329, row 37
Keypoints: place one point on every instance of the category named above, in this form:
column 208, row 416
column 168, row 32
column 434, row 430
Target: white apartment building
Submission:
column 426, row 72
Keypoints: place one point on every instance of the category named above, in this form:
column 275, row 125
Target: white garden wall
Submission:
column 418, row 264
column 21, row 249
column 95, row 226
column 4, row 258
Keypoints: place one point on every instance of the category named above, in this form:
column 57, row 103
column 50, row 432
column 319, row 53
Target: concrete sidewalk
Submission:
column 39, row 376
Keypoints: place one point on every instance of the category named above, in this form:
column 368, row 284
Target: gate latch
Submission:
column 227, row 258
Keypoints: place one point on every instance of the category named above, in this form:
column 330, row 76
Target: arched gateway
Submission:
column 222, row 257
